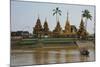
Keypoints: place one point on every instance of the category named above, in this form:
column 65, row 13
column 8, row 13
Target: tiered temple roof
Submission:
column 82, row 32
column 70, row 30
column 45, row 28
column 58, row 28
column 38, row 27
column 67, row 26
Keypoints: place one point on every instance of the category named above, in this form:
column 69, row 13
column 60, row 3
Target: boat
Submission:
column 84, row 52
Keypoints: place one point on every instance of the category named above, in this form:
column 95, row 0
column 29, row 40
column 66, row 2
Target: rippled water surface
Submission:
column 50, row 56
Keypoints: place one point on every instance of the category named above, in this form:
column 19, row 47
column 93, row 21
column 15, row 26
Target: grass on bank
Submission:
column 46, row 41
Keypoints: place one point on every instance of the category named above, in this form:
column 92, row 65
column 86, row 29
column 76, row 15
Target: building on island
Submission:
column 69, row 30
column 19, row 34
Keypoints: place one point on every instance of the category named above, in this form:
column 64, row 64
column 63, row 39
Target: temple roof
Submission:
column 67, row 21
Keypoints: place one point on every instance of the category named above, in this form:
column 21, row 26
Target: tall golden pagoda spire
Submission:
column 67, row 25
column 38, row 27
column 58, row 28
column 45, row 26
column 82, row 32
column 67, row 16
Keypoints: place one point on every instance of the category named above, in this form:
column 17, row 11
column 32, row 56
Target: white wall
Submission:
column 5, row 39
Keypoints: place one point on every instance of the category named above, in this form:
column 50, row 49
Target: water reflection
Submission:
column 50, row 56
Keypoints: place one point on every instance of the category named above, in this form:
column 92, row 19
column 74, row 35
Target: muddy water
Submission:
column 50, row 56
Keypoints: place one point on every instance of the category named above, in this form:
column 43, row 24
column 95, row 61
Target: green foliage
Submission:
column 86, row 14
column 56, row 11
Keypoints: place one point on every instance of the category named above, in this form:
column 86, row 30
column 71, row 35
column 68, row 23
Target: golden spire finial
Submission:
column 38, row 15
column 67, row 15
column 46, row 19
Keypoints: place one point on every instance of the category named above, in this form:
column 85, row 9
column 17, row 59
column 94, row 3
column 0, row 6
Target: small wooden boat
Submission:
column 84, row 52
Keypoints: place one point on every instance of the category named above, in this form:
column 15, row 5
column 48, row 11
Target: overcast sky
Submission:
column 24, row 15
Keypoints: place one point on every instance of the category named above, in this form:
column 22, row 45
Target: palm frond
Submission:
column 90, row 17
column 87, row 14
column 59, row 11
column 54, row 13
column 54, row 10
column 57, row 8
column 60, row 14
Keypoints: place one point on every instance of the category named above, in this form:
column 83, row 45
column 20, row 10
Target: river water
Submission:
column 50, row 57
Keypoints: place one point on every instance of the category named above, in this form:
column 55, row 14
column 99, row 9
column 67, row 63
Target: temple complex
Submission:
column 69, row 30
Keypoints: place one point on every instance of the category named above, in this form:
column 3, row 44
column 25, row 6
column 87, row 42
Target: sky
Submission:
column 25, row 14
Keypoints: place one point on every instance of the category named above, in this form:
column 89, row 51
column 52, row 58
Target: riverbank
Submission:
column 52, row 53
column 47, row 47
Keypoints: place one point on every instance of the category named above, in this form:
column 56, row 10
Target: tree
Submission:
column 86, row 14
column 56, row 12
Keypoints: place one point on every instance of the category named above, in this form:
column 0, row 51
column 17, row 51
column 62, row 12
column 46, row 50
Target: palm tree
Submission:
column 86, row 14
column 57, row 12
